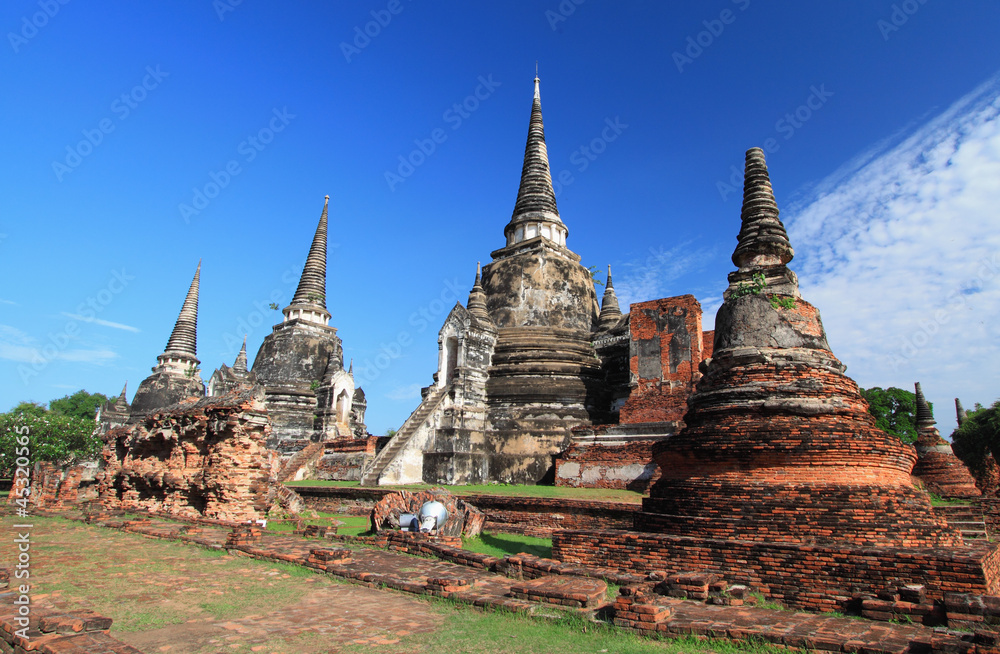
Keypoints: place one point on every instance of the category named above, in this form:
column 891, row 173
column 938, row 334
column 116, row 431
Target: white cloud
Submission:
column 15, row 345
column 900, row 250
column 98, row 321
column 650, row 278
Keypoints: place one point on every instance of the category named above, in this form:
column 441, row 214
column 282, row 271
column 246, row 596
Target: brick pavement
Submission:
column 479, row 581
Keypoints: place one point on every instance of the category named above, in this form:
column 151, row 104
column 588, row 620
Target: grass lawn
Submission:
column 500, row 545
column 512, row 490
column 170, row 597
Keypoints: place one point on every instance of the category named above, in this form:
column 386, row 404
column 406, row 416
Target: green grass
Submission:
column 496, row 632
column 511, row 490
column 500, row 545
column 937, row 500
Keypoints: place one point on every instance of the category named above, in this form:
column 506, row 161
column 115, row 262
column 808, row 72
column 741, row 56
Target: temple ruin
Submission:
column 779, row 462
column 937, row 467
column 532, row 362
column 176, row 376
column 310, row 397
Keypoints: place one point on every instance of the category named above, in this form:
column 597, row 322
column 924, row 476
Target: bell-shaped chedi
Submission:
column 937, row 466
column 778, row 444
column 175, row 377
column 544, row 376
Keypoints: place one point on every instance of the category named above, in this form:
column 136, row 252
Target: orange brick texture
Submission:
column 665, row 349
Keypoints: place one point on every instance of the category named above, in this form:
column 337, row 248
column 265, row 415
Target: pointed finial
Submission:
column 350, row 370
column 924, row 416
column 477, row 297
column 762, row 239
column 311, row 290
column 240, row 365
column 124, row 393
column 960, row 413
column 184, row 338
column 610, row 311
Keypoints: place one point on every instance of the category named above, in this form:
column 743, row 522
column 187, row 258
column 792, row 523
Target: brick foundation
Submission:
column 809, row 577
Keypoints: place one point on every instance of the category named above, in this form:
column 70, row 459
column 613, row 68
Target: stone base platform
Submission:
column 813, row 577
column 613, row 456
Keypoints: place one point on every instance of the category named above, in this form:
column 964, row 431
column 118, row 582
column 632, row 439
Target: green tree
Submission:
column 894, row 410
column 59, row 439
column 977, row 437
column 80, row 404
column 30, row 409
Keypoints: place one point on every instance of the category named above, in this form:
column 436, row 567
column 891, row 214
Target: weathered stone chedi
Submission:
column 780, row 478
column 937, row 466
column 778, row 443
column 310, row 395
column 175, row 376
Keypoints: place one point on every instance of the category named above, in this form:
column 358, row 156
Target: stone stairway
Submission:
column 965, row 518
column 304, row 457
column 378, row 465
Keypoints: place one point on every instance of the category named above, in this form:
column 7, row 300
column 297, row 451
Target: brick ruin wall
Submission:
column 665, row 348
column 812, row 577
column 343, row 459
column 628, row 466
column 203, row 459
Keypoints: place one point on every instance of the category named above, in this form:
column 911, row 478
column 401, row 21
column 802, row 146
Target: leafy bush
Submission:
column 56, row 438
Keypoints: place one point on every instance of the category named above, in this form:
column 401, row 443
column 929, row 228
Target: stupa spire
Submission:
column 960, row 414
column 477, row 297
column 183, row 342
column 240, row 365
column 925, row 419
column 763, row 240
column 763, row 247
column 122, row 399
column 536, row 199
column 309, row 301
column 610, row 311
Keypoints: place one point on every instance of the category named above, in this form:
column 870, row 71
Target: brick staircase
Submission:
column 371, row 475
column 965, row 518
column 306, row 456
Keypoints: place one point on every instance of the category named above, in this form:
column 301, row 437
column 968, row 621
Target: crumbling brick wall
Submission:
column 203, row 459
column 665, row 350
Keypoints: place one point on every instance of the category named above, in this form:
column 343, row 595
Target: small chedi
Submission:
column 533, row 357
column 779, row 477
column 310, row 396
column 206, row 458
column 175, row 377
column 937, row 466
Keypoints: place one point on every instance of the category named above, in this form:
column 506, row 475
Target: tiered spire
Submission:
column 536, row 197
column 610, row 311
column 240, row 365
column 309, row 301
column 183, row 341
column 960, row 414
column 762, row 240
column 477, row 297
column 763, row 247
column 925, row 419
column 123, row 396
column 535, row 212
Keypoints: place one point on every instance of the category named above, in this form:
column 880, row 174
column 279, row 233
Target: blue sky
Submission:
column 884, row 154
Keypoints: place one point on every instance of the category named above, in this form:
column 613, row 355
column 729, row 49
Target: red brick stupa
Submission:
column 779, row 445
column 937, row 466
